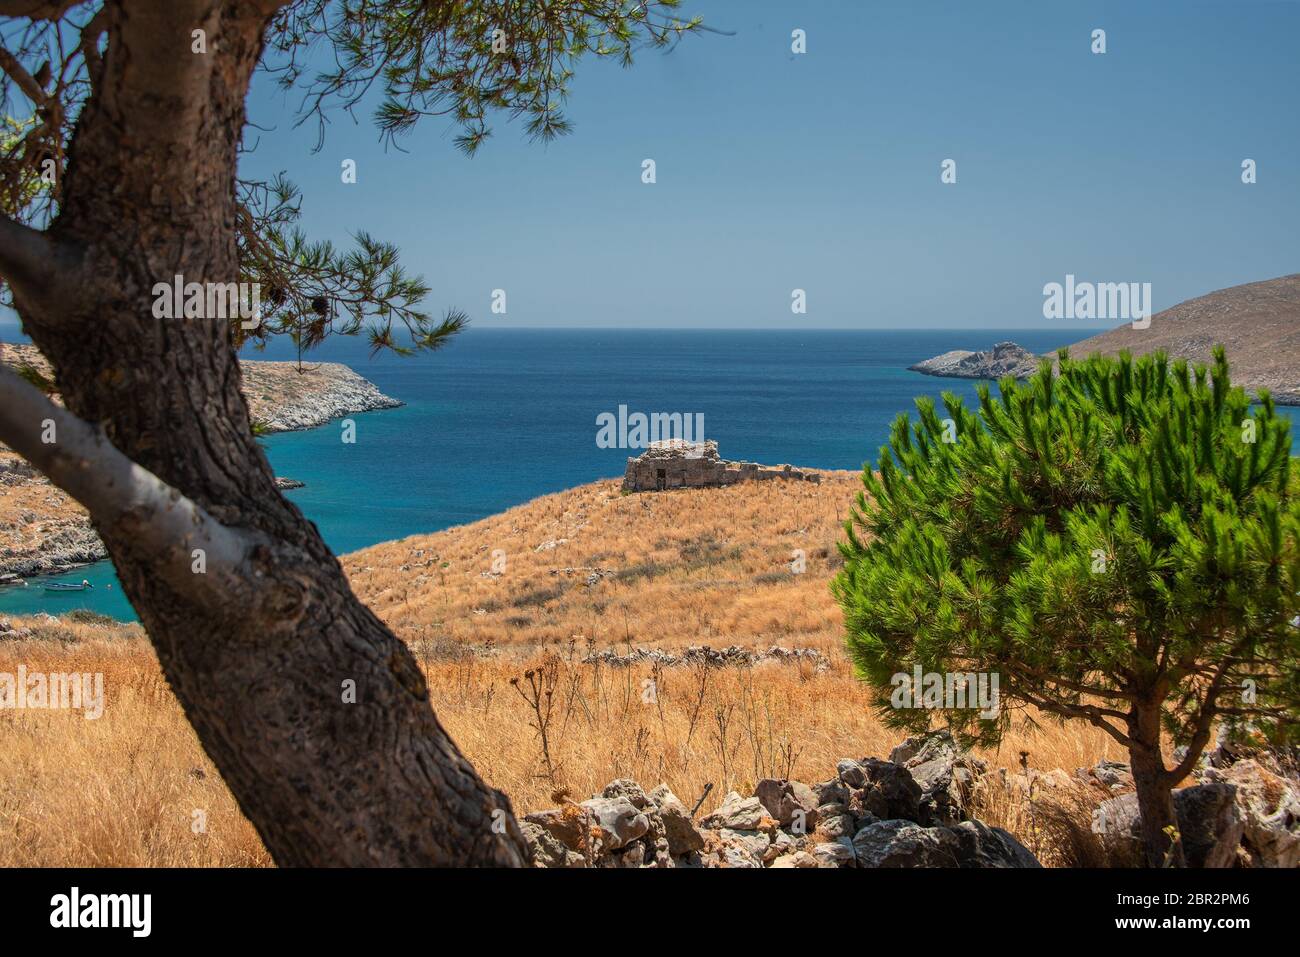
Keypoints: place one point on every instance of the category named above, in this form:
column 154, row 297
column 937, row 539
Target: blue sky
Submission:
column 821, row 171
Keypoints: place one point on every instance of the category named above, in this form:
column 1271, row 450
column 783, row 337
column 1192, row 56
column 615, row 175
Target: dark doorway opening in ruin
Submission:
column 661, row 479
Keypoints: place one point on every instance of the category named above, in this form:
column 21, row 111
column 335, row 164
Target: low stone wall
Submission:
column 730, row 656
column 677, row 464
column 917, row 810
column 909, row 811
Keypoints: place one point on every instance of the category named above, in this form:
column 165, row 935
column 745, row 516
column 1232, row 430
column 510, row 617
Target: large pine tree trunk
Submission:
column 262, row 674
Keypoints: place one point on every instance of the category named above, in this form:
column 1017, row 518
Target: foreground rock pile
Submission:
column 1243, row 813
column 915, row 810
column 909, row 811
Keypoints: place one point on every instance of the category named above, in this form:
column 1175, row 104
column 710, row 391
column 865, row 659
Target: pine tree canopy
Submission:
column 1119, row 532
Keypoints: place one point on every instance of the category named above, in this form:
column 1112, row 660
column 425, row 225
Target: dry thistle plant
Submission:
column 538, row 690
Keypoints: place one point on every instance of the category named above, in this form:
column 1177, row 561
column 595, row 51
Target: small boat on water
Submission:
column 68, row 586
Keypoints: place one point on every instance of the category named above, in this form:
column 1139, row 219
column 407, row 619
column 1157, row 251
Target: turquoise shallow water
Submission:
column 500, row 417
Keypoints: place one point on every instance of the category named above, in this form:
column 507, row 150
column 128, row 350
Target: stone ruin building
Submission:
column 674, row 463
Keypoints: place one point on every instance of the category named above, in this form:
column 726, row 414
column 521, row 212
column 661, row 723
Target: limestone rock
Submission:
column 837, row 853
column 890, row 792
column 568, row 825
column 1108, row 777
column 970, row 844
column 789, row 802
column 851, row 773
column 1269, row 806
column 905, row 844
column 626, row 788
column 618, row 819
column 683, row 836
column 947, row 776
column 754, row 843
column 782, row 845
column 736, row 813
column 980, row 845
column 835, row 826
column 923, row 748
column 546, row 849
column 831, row 792
column 1208, row 822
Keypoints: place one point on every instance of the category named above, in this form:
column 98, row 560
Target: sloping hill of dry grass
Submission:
column 1258, row 323
column 585, row 569
column 693, row 566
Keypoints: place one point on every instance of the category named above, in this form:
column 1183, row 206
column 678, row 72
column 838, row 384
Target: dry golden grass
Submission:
column 691, row 726
column 694, row 566
column 699, row 566
column 115, row 791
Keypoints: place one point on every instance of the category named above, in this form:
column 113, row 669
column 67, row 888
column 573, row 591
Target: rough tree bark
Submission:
column 1154, row 788
column 259, row 664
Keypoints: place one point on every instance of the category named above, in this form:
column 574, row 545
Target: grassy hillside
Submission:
column 700, row 566
column 1258, row 322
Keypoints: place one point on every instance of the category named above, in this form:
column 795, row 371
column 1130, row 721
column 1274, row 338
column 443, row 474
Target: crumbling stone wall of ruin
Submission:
column 677, row 464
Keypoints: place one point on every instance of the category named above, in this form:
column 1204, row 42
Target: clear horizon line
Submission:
column 1077, row 333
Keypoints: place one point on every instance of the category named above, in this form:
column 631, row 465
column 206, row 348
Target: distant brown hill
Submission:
column 1258, row 323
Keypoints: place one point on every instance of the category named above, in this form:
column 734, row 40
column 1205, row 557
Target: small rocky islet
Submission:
column 1004, row 359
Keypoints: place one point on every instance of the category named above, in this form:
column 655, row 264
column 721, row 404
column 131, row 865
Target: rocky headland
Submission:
column 1258, row 323
column 280, row 398
column 43, row 531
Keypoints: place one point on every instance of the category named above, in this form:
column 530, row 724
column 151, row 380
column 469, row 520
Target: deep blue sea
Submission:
column 502, row 416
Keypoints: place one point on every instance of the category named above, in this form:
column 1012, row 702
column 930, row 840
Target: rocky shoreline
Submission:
column 1004, row 359
column 280, row 399
column 44, row 532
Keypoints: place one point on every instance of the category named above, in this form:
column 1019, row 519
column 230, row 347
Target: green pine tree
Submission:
column 1116, row 542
